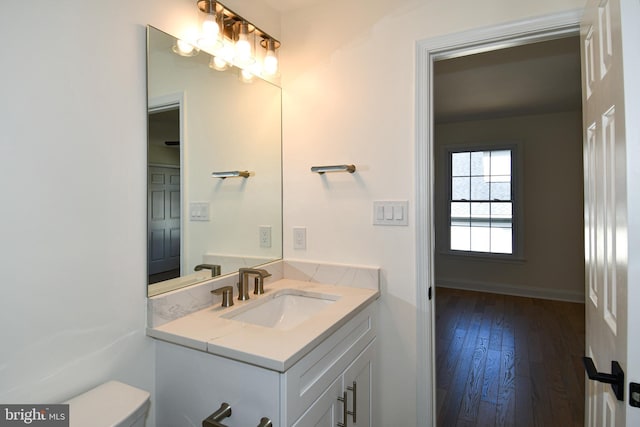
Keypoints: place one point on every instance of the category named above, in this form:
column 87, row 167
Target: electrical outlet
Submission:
column 265, row 236
column 299, row 238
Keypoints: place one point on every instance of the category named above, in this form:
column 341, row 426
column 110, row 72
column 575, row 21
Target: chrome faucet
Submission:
column 215, row 268
column 243, row 282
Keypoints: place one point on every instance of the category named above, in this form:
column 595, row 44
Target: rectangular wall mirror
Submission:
column 202, row 121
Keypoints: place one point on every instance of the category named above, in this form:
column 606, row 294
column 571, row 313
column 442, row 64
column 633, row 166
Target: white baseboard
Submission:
column 515, row 290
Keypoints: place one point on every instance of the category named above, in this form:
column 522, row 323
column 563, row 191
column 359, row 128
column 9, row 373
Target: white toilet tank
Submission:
column 112, row 404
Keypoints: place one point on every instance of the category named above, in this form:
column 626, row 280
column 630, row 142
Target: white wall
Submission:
column 72, row 168
column 552, row 195
column 349, row 90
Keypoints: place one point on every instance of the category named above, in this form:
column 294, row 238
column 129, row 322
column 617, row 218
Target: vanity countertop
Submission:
column 212, row 331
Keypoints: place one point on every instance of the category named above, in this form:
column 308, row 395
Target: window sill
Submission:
column 484, row 257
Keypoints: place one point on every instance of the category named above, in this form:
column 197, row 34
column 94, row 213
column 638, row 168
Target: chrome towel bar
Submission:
column 333, row 168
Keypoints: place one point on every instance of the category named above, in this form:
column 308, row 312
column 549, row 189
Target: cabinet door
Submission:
column 326, row 411
column 358, row 381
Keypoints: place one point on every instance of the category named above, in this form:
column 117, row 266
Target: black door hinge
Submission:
column 429, row 292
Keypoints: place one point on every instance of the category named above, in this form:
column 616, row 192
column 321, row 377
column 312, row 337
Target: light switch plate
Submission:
column 391, row 212
column 199, row 211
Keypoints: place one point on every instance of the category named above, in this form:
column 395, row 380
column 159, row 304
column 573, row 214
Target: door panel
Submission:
column 605, row 204
column 164, row 219
column 358, row 380
column 325, row 411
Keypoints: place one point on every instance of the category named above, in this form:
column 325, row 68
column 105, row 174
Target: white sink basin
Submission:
column 283, row 310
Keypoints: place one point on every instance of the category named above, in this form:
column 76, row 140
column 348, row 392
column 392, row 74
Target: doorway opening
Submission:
column 427, row 218
column 507, row 357
column 163, row 194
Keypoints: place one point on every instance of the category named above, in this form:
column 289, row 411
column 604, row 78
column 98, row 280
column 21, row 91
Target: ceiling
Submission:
column 283, row 6
column 528, row 79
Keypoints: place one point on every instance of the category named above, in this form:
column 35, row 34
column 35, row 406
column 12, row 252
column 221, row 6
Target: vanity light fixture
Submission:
column 231, row 40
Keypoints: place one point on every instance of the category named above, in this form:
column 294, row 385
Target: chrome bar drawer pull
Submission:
column 343, row 399
column 354, row 389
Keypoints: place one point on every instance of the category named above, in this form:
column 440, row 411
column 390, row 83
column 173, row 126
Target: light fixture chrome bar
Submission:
column 334, row 168
column 230, row 17
column 230, row 174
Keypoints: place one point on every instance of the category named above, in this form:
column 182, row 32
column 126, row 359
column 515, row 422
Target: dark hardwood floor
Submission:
column 508, row 361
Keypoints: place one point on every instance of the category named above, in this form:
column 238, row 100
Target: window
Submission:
column 481, row 204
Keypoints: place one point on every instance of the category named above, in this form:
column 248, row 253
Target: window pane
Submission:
column 502, row 240
column 501, row 162
column 460, row 238
column 477, row 164
column 480, row 239
column 479, row 189
column 460, row 164
column 500, row 191
column 460, row 210
column 480, row 214
column 501, row 210
column 460, row 189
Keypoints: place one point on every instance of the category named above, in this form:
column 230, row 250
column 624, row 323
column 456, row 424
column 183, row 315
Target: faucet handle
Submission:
column 227, row 295
column 263, row 273
column 215, row 268
column 258, row 285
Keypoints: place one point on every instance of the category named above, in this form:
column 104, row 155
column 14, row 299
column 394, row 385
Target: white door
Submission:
column 608, row 238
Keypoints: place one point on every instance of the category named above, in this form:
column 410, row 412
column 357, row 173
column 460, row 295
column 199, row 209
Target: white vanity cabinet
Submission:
column 347, row 398
column 191, row 384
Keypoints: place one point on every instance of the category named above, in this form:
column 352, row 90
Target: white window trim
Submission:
column 517, row 179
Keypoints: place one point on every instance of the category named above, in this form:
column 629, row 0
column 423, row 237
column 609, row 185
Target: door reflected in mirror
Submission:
column 202, row 121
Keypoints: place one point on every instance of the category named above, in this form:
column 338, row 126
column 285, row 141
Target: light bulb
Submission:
column 246, row 76
column 210, row 36
column 243, row 49
column 270, row 63
column 226, row 52
column 184, row 48
column 270, row 60
column 210, row 27
column 218, row 63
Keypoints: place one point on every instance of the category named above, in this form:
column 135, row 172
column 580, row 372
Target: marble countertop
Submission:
column 212, row 330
